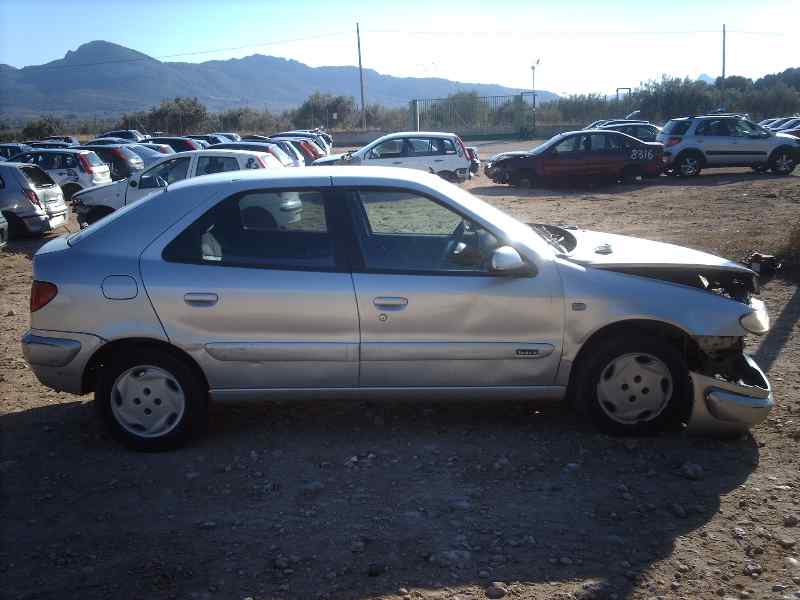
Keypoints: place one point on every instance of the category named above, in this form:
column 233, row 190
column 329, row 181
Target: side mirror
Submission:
column 133, row 183
column 151, row 182
column 507, row 259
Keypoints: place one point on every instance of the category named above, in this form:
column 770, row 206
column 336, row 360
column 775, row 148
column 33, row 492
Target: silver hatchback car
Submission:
column 392, row 282
column 30, row 200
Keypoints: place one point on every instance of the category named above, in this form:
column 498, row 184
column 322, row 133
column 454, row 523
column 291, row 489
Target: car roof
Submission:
column 440, row 134
column 73, row 150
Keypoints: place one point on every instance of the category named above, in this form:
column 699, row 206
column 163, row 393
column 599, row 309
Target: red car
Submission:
column 578, row 154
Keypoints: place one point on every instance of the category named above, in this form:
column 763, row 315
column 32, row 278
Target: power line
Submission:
column 529, row 33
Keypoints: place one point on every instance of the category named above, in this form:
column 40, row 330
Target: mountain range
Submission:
column 105, row 79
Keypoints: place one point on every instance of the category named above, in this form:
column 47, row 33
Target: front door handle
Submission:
column 200, row 298
column 390, row 302
column 397, row 162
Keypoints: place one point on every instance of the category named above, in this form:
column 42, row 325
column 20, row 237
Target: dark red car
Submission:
column 577, row 154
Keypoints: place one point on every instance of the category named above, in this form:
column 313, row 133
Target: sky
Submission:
column 582, row 45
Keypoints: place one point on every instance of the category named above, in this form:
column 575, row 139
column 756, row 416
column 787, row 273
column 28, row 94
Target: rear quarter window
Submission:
column 677, row 127
column 93, row 159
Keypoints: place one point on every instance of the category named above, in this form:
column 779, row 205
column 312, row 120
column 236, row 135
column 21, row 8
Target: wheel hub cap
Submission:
column 147, row 401
column 689, row 166
column 784, row 163
column 634, row 388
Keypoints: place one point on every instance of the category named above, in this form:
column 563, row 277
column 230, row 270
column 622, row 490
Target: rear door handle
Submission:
column 200, row 298
column 397, row 162
column 390, row 302
column 438, row 160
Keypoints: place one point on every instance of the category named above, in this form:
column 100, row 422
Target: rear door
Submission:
column 754, row 146
column 259, row 305
column 605, row 156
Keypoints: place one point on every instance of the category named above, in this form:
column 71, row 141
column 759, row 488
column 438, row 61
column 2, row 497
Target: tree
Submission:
column 43, row 127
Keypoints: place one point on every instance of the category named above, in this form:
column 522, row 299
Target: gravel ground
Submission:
column 443, row 500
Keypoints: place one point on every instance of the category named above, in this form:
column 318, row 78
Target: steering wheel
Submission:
column 455, row 239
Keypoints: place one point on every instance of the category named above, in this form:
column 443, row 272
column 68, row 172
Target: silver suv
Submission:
column 694, row 143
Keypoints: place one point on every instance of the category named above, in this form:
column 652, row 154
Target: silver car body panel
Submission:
column 275, row 333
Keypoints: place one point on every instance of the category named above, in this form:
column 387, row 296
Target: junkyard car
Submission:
column 585, row 153
column 441, row 153
column 30, row 200
column 392, row 282
column 95, row 203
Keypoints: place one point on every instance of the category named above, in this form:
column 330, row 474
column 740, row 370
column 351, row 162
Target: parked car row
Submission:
column 625, row 149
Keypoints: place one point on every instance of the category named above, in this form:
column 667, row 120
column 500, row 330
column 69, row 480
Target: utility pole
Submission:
column 361, row 75
column 722, row 84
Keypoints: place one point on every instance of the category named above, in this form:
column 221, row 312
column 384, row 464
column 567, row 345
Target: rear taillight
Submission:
column 42, row 292
column 311, row 148
column 164, row 149
column 671, row 141
column 85, row 164
column 193, row 145
column 463, row 147
column 31, row 195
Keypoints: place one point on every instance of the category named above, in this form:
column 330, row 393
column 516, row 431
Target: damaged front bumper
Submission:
column 723, row 407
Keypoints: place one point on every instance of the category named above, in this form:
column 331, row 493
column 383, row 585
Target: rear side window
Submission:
column 37, row 177
column 260, row 229
column 171, row 170
column 69, row 161
column 677, row 127
column 206, row 165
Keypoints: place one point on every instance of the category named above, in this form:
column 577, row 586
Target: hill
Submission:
column 105, row 79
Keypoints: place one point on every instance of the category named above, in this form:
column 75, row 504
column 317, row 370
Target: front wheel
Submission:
column 634, row 386
column 689, row 165
column 782, row 163
column 150, row 399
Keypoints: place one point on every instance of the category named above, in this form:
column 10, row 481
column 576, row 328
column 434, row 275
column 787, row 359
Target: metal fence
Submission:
column 470, row 112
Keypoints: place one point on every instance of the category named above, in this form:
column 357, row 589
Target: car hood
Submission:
column 329, row 160
column 659, row 260
column 504, row 155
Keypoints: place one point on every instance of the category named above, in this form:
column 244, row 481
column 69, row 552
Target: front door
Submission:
column 391, row 153
column 432, row 311
column 169, row 171
column 260, row 300
column 567, row 158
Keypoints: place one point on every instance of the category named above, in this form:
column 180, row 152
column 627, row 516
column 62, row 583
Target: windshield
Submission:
column 36, row 177
column 548, row 144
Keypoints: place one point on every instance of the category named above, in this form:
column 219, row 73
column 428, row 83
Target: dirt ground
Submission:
column 450, row 500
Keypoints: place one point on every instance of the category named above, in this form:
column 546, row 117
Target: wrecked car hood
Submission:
column 504, row 155
column 658, row 260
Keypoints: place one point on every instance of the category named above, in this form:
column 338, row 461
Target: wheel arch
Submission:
column 782, row 148
column 693, row 152
column 679, row 338
column 106, row 352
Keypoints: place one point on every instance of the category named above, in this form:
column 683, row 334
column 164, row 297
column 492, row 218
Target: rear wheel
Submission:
column 16, row 227
column 634, row 385
column 689, row 165
column 631, row 174
column 150, row 399
column 782, row 163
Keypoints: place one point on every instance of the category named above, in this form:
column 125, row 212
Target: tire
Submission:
column 630, row 174
column 782, row 162
column 96, row 214
column 16, row 227
column 689, row 165
column 128, row 397
column 69, row 191
column 633, row 385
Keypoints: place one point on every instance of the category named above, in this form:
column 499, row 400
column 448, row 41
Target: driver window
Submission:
column 568, row 145
column 388, row 149
column 170, row 171
column 404, row 231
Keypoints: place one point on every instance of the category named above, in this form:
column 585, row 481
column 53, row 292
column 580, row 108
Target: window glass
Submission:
column 599, row 142
column 715, row 128
column 69, row 161
column 744, row 128
column 93, row 159
column 445, row 146
column 170, row 171
column 216, row 164
column 571, row 144
column 403, row 231
column 268, row 229
column 388, row 149
column 677, row 127
column 36, row 176
column 421, row 147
